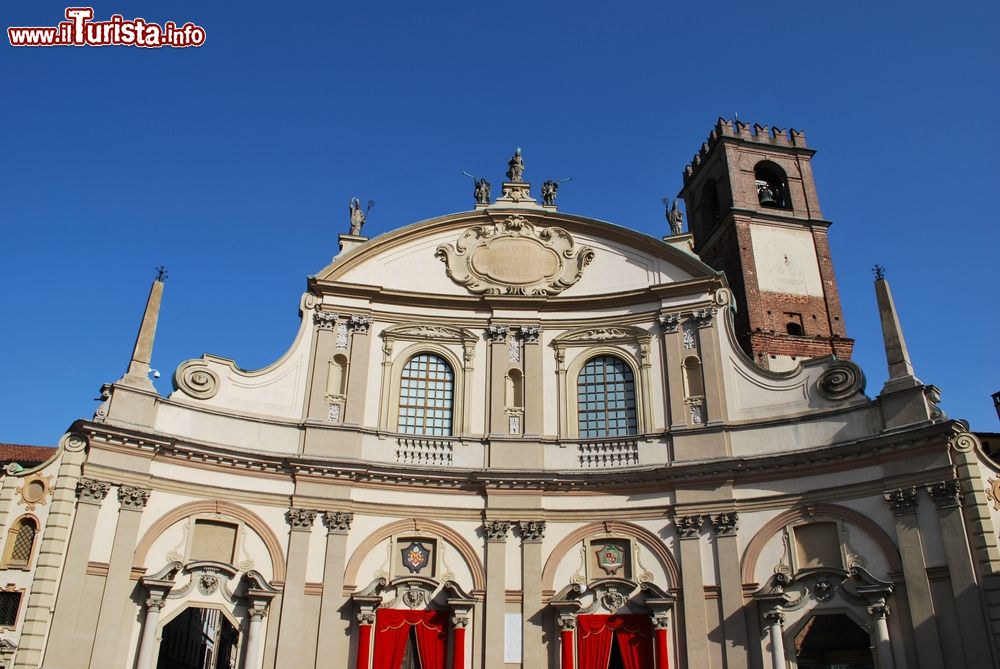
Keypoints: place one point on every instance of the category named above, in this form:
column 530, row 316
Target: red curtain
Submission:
column 634, row 634
column 392, row 628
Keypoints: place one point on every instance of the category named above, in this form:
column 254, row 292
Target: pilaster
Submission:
column 948, row 497
column 693, row 586
column 903, row 503
column 725, row 527
column 38, row 612
column 110, row 645
column 324, row 348
column 496, row 337
column 333, row 639
column 72, row 634
column 532, row 533
column 357, row 382
column 291, row 650
column 496, row 574
column 534, row 391
column 673, row 371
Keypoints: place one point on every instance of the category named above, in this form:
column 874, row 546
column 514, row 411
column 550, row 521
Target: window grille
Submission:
column 425, row 396
column 10, row 603
column 606, row 398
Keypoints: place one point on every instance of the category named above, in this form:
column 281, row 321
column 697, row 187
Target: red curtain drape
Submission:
column 634, row 634
column 392, row 627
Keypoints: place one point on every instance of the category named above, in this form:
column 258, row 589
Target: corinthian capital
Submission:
column 133, row 498
column 92, row 491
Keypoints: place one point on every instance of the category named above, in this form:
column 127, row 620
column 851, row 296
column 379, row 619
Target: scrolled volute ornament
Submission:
column 842, row 381
column 74, row 442
column 195, row 379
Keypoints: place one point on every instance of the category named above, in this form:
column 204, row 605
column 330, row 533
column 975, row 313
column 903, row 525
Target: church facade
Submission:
column 517, row 437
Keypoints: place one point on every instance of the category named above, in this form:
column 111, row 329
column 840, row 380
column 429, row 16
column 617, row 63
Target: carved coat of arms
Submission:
column 610, row 558
column 415, row 557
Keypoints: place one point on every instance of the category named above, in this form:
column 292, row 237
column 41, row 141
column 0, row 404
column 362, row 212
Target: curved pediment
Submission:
column 515, row 253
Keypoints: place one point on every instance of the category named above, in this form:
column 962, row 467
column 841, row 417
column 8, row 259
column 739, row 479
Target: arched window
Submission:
column 426, row 391
column 20, row 543
column 772, row 186
column 606, row 398
column 710, row 209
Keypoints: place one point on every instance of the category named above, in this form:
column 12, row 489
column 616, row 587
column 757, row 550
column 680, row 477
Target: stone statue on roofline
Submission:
column 357, row 216
column 550, row 189
column 482, row 191
column 676, row 218
column 515, row 167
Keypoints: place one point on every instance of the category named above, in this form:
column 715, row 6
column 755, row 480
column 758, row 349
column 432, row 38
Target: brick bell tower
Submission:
column 754, row 214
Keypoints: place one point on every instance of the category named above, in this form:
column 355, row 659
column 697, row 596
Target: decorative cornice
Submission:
column 133, row 498
column 496, row 530
column 946, row 494
column 92, row 491
column 532, row 530
column 338, row 522
column 725, row 524
column 902, row 501
column 689, row 527
column 325, row 320
column 301, row 519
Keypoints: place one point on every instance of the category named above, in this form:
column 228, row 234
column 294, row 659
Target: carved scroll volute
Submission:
column 513, row 257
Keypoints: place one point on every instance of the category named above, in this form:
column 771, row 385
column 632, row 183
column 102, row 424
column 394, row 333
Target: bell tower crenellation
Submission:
column 754, row 213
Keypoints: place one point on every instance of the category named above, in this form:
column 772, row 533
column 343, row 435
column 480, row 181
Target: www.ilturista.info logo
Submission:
column 81, row 30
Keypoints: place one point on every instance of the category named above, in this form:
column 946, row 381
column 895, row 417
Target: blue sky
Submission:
column 232, row 164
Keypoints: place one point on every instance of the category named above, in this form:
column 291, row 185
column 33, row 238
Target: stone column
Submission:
column 357, row 379
column 534, row 388
column 725, row 525
column 147, row 642
column 366, row 621
column 661, row 629
column 774, row 619
column 459, row 622
column 38, row 612
column 254, row 637
column 72, row 632
column 883, row 648
column 110, row 642
column 947, row 496
column 496, row 576
column 332, row 640
column 533, row 650
column 903, row 503
column 291, row 650
column 496, row 336
column 693, row 587
column 567, row 625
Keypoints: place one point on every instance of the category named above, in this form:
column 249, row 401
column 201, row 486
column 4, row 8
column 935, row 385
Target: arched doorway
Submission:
column 833, row 641
column 199, row 638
